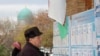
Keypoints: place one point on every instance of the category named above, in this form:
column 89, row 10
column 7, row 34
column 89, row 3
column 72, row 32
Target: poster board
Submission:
column 60, row 46
column 97, row 25
column 82, row 34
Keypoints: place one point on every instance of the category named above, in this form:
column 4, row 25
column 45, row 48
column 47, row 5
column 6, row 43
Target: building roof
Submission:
column 24, row 14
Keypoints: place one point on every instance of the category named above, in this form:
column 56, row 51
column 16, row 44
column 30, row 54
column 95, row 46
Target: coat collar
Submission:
column 32, row 46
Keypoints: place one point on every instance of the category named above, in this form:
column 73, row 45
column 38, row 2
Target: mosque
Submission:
column 25, row 16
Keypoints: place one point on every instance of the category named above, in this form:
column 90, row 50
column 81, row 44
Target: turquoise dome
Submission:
column 24, row 14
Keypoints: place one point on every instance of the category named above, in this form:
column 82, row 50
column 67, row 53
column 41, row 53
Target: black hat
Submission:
column 32, row 32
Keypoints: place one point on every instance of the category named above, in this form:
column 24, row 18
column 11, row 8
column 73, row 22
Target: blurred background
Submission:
column 18, row 15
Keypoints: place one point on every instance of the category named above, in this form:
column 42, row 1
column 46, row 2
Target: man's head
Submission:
column 33, row 35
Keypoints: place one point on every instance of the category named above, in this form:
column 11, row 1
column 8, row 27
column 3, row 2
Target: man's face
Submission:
column 36, row 41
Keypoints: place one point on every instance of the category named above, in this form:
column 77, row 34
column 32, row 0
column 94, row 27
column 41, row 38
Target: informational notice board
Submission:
column 97, row 24
column 97, row 17
column 60, row 46
column 83, row 34
column 81, row 40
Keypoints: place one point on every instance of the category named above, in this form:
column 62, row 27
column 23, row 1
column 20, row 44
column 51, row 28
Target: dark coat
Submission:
column 15, row 52
column 30, row 50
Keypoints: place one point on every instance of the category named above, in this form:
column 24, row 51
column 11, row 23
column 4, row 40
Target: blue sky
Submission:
column 11, row 8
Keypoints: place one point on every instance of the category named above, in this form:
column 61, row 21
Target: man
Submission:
column 33, row 42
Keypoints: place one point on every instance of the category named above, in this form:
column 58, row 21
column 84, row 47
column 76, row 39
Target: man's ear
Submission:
column 30, row 39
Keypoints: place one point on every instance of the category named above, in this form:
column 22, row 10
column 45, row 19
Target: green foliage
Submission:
column 20, row 36
column 4, row 51
column 47, row 38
